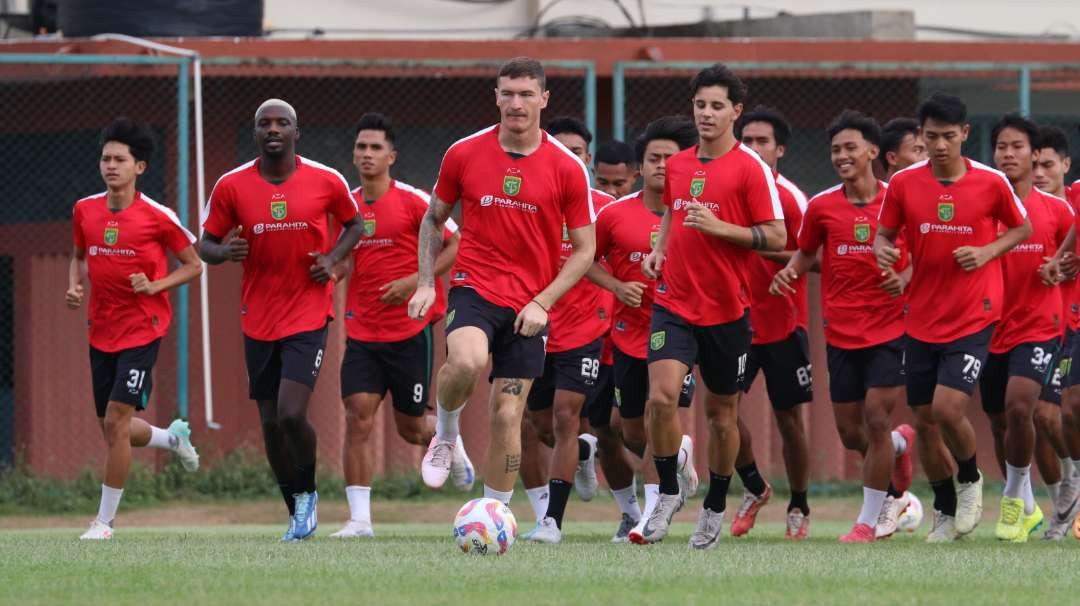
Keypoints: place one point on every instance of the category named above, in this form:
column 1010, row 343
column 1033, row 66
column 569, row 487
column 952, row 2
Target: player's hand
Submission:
column 702, row 219
column 653, row 264
column 74, row 296
column 781, row 282
column 893, row 283
column 397, row 292
column 142, row 285
column 629, row 293
column 321, row 270
column 1050, row 272
column 971, row 257
column 1070, row 265
column 530, row 320
column 238, row 247
column 887, row 256
column 421, row 302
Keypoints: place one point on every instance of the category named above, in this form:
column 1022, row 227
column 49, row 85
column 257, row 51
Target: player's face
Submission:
column 118, row 167
column 615, row 179
column 911, row 150
column 577, row 145
column 520, row 101
column 653, row 167
column 943, row 140
column 275, row 132
column 1013, row 154
column 714, row 113
column 760, row 137
column 372, row 154
column 1050, row 170
column 851, row 154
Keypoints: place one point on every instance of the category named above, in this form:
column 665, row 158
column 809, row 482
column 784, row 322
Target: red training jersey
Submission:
column 945, row 302
column 513, row 209
column 858, row 313
column 773, row 317
column 1030, row 310
column 1070, row 290
column 118, row 244
column 386, row 252
column 703, row 278
column 802, row 320
column 283, row 224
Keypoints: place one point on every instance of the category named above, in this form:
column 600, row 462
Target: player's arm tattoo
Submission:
column 513, row 462
column 758, row 241
column 513, row 387
column 431, row 240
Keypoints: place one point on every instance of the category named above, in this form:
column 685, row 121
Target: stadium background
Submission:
column 61, row 103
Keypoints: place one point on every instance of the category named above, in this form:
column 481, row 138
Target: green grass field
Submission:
column 418, row 563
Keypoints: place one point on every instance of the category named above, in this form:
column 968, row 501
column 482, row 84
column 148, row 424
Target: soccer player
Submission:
column 950, row 208
column 616, row 168
column 779, row 348
column 121, row 241
column 722, row 207
column 386, row 350
column 518, row 187
column 625, row 231
column 864, row 322
column 271, row 214
column 901, row 145
column 577, row 325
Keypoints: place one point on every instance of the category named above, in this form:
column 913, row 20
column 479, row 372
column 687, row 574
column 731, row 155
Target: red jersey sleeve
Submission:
column 76, row 229
column 1065, row 220
column 448, row 183
column 342, row 204
column 577, row 206
column 219, row 216
column 1009, row 210
column 892, row 211
column 173, row 235
column 603, row 234
column 761, row 196
column 811, row 234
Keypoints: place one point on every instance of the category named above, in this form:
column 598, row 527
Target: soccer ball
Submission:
column 912, row 515
column 485, row 527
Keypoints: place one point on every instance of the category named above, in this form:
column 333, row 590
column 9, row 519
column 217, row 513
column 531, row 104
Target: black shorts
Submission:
column 124, row 376
column 1071, row 372
column 786, row 365
column 956, row 364
column 852, row 372
column 1035, row 361
column 576, row 370
column 401, row 367
column 296, row 357
column 598, row 403
column 512, row 356
column 720, row 351
column 632, row 386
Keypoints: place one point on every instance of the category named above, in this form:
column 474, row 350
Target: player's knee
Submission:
column 566, row 421
column 505, row 419
column 412, row 430
column 117, row 428
column 789, row 422
column 1046, row 417
column 465, row 365
column 851, row 435
column 1018, row 414
column 947, row 415
column 358, row 423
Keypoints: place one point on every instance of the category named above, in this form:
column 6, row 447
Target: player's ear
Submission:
column 965, row 130
column 1066, row 164
column 140, row 167
column 890, row 158
column 297, row 137
column 780, row 149
column 874, row 151
column 544, row 98
column 392, row 157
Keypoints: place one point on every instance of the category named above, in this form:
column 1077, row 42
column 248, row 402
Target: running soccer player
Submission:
column 625, row 232
column 271, row 215
column 577, row 325
column 949, row 207
column 722, row 207
column 386, row 351
column 616, row 168
column 518, row 187
column 901, row 145
column 121, row 241
column 779, row 348
column 864, row 322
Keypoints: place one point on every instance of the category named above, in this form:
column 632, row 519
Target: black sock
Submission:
column 584, row 451
column 967, row 471
column 893, row 492
column 667, row 469
column 798, row 501
column 944, row 496
column 558, row 495
column 716, row 499
column 305, row 478
column 287, row 494
column 751, row 479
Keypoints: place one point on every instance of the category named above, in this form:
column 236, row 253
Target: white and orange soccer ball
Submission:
column 485, row 527
column 912, row 515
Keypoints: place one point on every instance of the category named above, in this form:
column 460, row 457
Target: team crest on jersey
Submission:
column 657, row 340
column 946, row 210
column 862, row 232
column 565, row 233
column 369, row 227
column 279, row 209
column 112, row 234
column 511, row 185
column 653, row 237
column 697, row 185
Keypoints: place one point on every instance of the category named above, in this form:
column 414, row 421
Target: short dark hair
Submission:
column 943, row 107
column 523, row 67
column 136, row 135
column 854, row 120
column 781, row 128
column 679, row 129
column 615, row 152
column 569, row 124
column 1053, row 137
column 894, row 131
column 1015, row 121
column 718, row 74
column 376, row 121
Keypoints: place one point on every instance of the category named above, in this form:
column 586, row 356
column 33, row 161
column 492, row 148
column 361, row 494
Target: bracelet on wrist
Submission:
column 540, row 305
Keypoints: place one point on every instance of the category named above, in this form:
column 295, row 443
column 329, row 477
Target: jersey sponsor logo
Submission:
column 635, row 257
column 657, row 340
column 937, row 228
column 680, row 204
column 105, row 251
column 854, row 249
column 279, row 209
column 112, row 234
column 369, row 228
column 697, row 186
column 862, row 232
column 511, row 185
column 490, row 200
column 261, row 228
column 1029, row 247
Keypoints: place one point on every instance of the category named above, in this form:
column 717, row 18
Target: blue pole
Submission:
column 590, row 104
column 618, row 103
column 182, row 211
column 1025, row 90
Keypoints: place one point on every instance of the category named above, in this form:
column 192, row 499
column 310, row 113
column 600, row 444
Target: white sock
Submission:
column 899, row 444
column 538, row 498
column 1067, row 467
column 498, row 495
column 1014, row 480
column 1028, row 495
column 161, row 438
column 110, row 500
column 872, row 502
column 627, row 500
column 1075, row 463
column 652, row 496
column 446, row 423
column 682, row 453
column 1053, row 490
column 359, row 503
